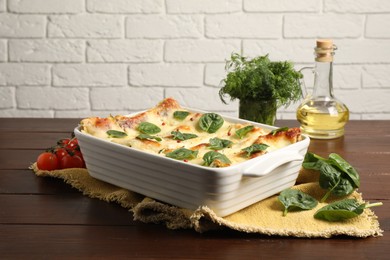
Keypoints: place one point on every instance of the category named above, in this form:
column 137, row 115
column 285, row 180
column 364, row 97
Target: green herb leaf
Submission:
column 182, row 154
column 177, row 135
column 180, row 115
column 275, row 131
column 210, row 157
column 255, row 148
column 336, row 175
column 343, row 165
column 296, row 199
column 261, row 79
column 342, row 210
column 148, row 128
column 210, row 122
column 116, row 134
column 312, row 161
column 219, row 144
column 146, row 136
column 242, row 132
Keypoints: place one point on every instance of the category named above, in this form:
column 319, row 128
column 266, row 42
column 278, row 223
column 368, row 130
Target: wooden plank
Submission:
column 64, row 209
column 65, row 125
column 38, row 141
column 142, row 242
column 26, row 182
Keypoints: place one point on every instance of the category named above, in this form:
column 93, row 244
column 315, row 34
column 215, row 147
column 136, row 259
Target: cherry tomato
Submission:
column 72, row 145
column 69, row 161
column 47, row 161
column 63, row 142
column 79, row 154
column 60, row 153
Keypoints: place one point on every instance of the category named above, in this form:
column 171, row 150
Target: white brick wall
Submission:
column 77, row 58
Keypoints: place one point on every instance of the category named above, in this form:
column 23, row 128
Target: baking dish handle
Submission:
column 273, row 162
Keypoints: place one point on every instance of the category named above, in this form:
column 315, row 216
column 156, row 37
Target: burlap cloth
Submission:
column 264, row 217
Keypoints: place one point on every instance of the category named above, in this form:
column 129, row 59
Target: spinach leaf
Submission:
column 116, row 134
column 182, row 154
column 210, row 122
column 336, row 175
column 177, row 135
column 210, row 157
column 255, row 148
column 296, row 199
column 146, row 136
column 180, row 115
column 343, row 209
column 148, row 128
column 343, row 188
column 219, row 144
column 275, row 131
column 329, row 179
column 312, row 161
column 344, row 166
column 242, row 132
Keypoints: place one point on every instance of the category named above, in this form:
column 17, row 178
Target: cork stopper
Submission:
column 324, row 50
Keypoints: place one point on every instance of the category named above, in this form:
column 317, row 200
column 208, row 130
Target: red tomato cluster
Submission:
column 66, row 154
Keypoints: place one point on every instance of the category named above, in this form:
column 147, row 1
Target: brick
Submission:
column 378, row 26
column 164, row 26
column 24, row 113
column 85, row 26
column 46, row 50
column 347, row 76
column 376, row 76
column 362, row 51
column 167, row 75
column 376, row 116
column 366, row 100
column 125, row 6
column 22, row 26
column 200, row 50
column 14, row 74
column 124, row 51
column 52, row 98
column 295, row 50
column 3, row 50
column 214, row 74
column 357, row 6
column 204, row 98
column 203, row 6
column 127, row 98
column 89, row 75
column 7, row 96
column 2, row 6
column 244, row 26
column 282, row 6
column 323, row 26
column 46, row 6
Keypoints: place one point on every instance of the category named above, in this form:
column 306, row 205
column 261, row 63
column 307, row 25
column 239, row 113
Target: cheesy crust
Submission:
column 172, row 131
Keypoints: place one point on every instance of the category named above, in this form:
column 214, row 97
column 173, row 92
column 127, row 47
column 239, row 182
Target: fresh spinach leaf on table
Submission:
column 295, row 200
column 343, row 209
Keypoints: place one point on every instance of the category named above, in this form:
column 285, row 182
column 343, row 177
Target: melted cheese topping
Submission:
column 162, row 116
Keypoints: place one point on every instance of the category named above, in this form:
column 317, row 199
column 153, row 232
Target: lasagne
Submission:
column 200, row 138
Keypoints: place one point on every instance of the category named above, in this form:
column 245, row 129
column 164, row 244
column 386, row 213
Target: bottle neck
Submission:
column 323, row 81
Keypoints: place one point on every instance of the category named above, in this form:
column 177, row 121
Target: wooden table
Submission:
column 45, row 218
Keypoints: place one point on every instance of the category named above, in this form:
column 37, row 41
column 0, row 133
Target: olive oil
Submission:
column 323, row 119
column 321, row 114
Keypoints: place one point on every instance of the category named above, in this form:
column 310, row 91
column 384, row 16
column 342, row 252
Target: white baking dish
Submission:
column 224, row 190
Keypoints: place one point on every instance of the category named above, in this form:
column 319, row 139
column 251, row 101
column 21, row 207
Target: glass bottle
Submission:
column 321, row 114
